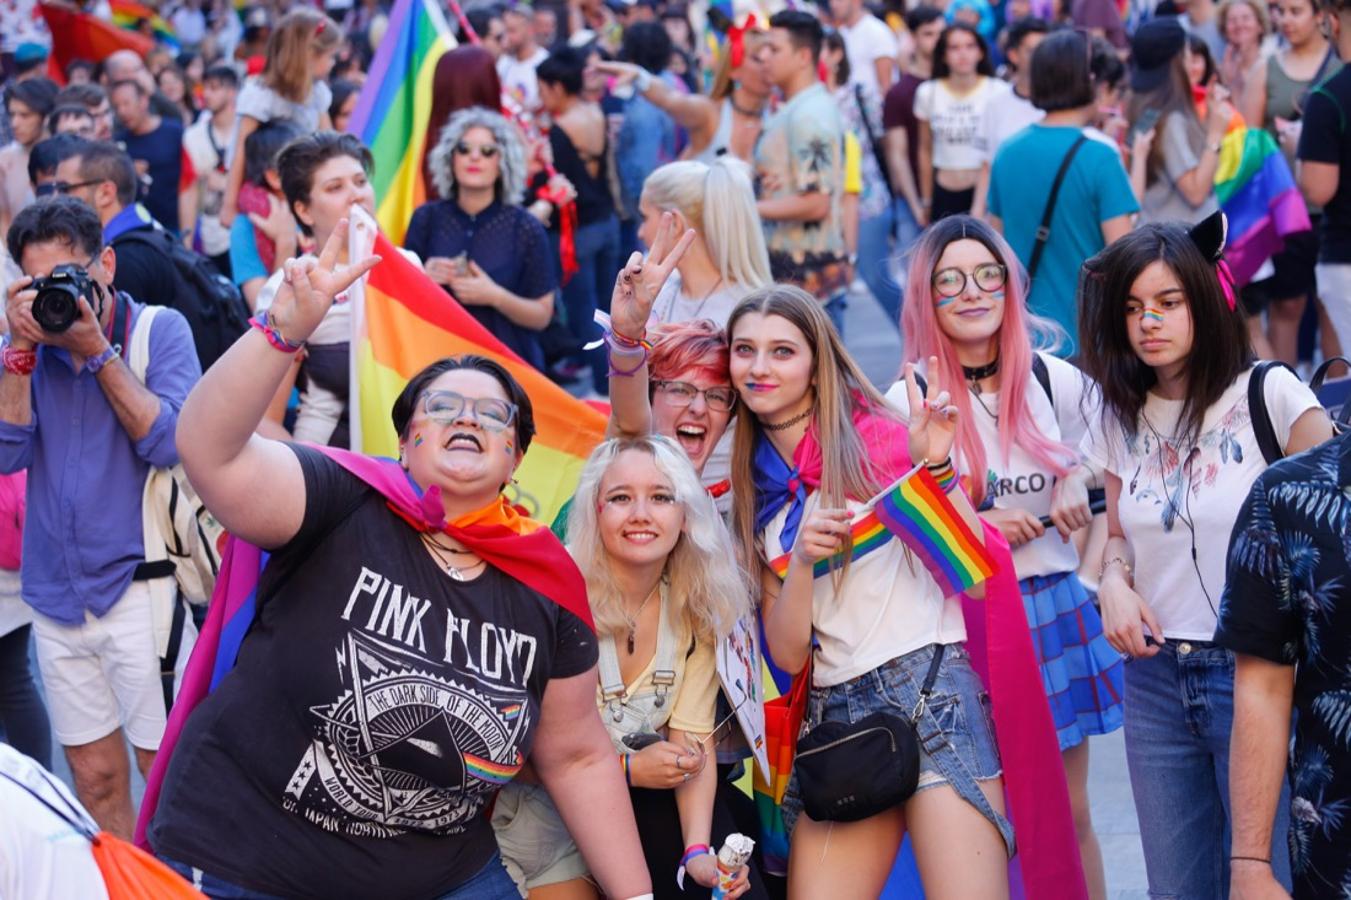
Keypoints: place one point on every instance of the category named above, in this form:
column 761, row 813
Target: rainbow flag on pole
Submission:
column 129, row 14
column 1257, row 191
column 916, row 510
column 401, row 321
column 394, row 105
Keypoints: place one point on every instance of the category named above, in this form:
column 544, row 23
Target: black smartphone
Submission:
column 1148, row 119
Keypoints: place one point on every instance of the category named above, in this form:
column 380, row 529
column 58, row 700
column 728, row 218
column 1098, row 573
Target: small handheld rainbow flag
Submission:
column 868, row 534
column 916, row 510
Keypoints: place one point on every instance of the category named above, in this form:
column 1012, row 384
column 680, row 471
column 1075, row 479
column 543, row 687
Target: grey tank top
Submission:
column 722, row 138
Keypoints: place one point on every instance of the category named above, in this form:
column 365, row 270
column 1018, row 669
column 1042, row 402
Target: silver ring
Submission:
column 687, row 776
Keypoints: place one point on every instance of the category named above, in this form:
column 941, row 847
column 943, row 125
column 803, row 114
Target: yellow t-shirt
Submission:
column 853, row 164
column 695, row 688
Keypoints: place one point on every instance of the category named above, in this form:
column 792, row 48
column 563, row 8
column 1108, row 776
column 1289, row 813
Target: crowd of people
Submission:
column 669, row 207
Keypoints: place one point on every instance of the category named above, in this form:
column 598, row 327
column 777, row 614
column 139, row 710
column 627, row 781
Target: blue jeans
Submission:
column 835, row 308
column 597, row 265
column 23, row 716
column 491, row 883
column 1179, row 712
column 874, row 253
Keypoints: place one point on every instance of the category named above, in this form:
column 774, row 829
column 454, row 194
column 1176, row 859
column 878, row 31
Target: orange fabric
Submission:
column 132, row 874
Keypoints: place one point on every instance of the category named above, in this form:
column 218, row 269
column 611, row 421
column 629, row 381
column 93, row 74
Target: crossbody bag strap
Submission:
column 70, row 815
column 927, row 688
column 872, row 139
column 1044, row 229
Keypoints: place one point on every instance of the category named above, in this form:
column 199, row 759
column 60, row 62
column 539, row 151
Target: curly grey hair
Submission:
column 510, row 155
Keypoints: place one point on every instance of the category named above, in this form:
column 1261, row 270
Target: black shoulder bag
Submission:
column 1044, row 230
column 847, row 772
column 879, row 152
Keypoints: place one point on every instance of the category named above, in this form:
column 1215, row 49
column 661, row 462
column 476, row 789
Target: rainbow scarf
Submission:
column 402, row 321
column 395, row 106
column 520, row 547
column 1257, row 191
column 918, row 512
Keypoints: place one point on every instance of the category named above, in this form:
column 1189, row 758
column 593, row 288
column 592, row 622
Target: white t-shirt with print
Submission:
column 1025, row 483
column 1176, row 497
column 958, row 123
column 1005, row 119
column 518, row 78
column 866, row 42
column 887, row 606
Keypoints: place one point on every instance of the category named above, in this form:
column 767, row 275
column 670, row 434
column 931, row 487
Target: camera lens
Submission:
column 56, row 307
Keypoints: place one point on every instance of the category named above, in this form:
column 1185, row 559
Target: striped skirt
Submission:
column 1080, row 671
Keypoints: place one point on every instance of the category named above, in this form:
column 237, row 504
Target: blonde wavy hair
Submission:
column 707, row 591
column 718, row 202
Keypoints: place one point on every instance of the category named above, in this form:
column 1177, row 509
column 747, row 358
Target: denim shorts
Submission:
column 956, row 728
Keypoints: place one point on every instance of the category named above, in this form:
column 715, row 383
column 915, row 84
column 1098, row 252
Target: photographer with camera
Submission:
column 73, row 413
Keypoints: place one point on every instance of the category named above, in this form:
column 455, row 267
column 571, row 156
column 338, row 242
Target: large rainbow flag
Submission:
column 77, row 35
column 1257, row 191
column 395, row 104
column 401, row 321
column 129, row 14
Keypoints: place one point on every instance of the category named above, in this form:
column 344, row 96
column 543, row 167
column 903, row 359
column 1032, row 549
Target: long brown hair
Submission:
column 1173, row 96
column 298, row 35
column 840, row 387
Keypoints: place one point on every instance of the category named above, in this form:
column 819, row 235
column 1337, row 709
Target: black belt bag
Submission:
column 847, row 772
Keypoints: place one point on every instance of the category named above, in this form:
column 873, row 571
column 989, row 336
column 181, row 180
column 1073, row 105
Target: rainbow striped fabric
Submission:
column 493, row 772
column 868, row 533
column 401, row 321
column 1257, row 191
column 128, row 14
column 916, row 510
column 395, row 104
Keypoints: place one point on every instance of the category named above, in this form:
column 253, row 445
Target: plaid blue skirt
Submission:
column 1082, row 674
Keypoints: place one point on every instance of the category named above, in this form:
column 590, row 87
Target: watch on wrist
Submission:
column 95, row 364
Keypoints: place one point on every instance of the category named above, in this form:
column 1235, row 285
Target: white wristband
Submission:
column 641, row 897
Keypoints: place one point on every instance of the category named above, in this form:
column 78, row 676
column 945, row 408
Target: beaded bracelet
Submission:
column 264, row 322
column 18, row 362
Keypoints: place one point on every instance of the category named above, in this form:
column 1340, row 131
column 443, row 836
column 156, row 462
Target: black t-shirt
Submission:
column 162, row 152
column 1287, row 599
column 1326, row 138
column 375, row 708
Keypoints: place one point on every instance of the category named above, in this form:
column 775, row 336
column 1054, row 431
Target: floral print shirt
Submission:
column 1287, row 599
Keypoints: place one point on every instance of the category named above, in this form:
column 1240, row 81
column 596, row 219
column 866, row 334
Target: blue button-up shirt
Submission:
column 82, row 538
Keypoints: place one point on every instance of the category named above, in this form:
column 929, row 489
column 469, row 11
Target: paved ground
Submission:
column 876, row 345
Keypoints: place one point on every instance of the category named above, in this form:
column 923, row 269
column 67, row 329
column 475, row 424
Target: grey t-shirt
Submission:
column 1163, row 201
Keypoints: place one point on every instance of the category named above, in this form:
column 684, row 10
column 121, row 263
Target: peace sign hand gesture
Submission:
column 933, row 418
column 310, row 285
column 641, row 280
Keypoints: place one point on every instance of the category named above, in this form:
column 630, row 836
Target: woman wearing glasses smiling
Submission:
column 1019, row 421
column 478, row 241
column 415, row 641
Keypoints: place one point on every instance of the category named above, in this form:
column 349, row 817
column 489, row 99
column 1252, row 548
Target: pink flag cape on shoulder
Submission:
column 1000, row 645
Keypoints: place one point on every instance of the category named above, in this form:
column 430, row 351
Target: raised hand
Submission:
column 621, row 72
column 642, row 278
column 307, row 291
column 822, row 535
column 933, row 418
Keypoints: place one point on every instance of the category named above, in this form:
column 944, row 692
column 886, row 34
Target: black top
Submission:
column 375, row 708
column 1287, row 599
column 161, row 152
column 507, row 243
column 594, row 201
column 1326, row 138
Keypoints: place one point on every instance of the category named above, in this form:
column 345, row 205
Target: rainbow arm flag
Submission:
column 395, row 104
column 916, row 510
column 402, row 321
column 1257, row 191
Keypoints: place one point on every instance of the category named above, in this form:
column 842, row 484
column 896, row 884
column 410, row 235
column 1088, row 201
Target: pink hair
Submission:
column 681, row 350
column 925, row 338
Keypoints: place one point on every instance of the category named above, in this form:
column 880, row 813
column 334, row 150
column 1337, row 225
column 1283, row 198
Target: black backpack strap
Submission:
column 1263, row 430
column 1043, row 376
column 1044, row 230
column 169, row 661
column 873, row 142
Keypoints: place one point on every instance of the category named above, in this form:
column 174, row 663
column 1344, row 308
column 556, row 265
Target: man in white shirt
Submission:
column 520, row 57
column 1015, row 111
column 869, row 44
column 205, row 142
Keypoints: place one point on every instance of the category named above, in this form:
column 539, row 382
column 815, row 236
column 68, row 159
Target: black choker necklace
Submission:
column 980, row 373
column 789, row 423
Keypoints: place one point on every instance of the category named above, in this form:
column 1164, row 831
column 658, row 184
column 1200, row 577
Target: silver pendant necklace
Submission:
column 454, row 571
column 633, row 621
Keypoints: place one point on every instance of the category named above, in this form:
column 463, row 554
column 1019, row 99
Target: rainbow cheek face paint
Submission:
column 944, row 301
column 417, row 439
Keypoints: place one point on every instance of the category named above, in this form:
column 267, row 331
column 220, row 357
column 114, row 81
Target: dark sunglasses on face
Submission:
column 60, row 187
column 487, row 151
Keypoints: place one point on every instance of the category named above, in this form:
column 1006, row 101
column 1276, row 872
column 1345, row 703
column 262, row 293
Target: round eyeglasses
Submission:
column 446, row 407
column 988, row 277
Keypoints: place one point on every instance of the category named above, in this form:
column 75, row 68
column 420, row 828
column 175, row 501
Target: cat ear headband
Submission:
column 1209, row 236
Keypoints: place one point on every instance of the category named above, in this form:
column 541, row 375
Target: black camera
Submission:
column 57, row 305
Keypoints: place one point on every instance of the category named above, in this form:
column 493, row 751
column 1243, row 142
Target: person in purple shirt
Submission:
column 88, row 431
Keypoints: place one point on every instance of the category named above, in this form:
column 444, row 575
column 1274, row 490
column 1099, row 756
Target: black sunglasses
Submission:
column 61, row 187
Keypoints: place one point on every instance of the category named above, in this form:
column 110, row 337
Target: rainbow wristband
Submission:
column 945, row 473
column 264, row 323
column 695, row 850
column 628, row 772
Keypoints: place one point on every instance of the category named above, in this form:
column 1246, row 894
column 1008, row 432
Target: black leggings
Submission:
column 663, row 844
column 951, row 203
column 23, row 716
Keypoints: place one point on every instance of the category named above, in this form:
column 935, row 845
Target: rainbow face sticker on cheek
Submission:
column 417, row 439
column 511, row 447
column 1151, row 314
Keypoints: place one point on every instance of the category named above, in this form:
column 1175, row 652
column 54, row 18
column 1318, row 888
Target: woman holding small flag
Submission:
column 1021, row 422
column 880, row 631
column 404, row 643
column 1178, row 435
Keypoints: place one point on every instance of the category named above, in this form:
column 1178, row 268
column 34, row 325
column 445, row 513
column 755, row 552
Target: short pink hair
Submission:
column 685, row 349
